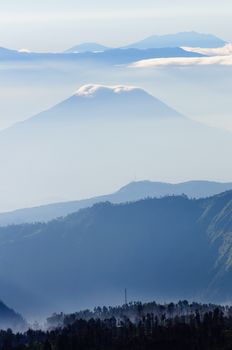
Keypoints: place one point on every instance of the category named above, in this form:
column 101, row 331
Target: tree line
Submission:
column 178, row 326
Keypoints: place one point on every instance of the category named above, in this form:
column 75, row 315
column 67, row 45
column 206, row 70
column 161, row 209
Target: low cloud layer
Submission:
column 220, row 51
column 184, row 61
column 221, row 56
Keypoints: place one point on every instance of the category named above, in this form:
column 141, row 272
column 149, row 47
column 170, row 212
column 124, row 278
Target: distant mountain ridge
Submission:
column 87, row 47
column 6, row 52
column 108, row 57
column 165, row 249
column 132, row 192
column 191, row 39
column 188, row 39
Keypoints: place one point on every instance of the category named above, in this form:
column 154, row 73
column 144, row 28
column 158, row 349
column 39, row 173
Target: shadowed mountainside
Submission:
column 10, row 319
column 165, row 248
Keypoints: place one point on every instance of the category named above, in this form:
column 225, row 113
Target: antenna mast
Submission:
column 125, row 296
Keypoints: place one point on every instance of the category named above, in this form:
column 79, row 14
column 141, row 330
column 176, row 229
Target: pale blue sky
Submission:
column 58, row 24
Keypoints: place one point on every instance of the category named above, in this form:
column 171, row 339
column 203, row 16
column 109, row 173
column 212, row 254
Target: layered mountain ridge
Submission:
column 190, row 39
column 132, row 192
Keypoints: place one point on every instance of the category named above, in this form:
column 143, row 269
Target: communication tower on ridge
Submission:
column 126, row 297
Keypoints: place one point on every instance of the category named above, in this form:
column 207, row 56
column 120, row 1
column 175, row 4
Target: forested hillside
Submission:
column 194, row 327
column 164, row 249
column 10, row 319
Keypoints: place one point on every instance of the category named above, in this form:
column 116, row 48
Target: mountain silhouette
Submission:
column 177, row 40
column 99, row 138
column 191, row 39
column 87, row 47
column 94, row 101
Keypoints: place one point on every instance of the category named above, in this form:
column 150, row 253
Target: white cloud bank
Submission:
column 24, row 51
column 220, row 51
column 184, row 61
column 221, row 56
column 92, row 89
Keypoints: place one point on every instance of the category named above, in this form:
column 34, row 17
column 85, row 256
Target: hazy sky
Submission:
column 58, row 24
